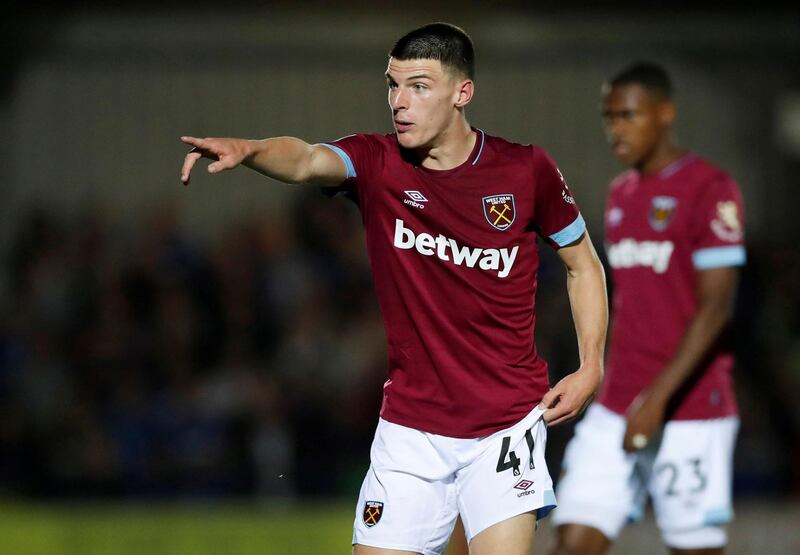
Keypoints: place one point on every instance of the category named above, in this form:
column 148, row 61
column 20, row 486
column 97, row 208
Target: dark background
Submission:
column 222, row 341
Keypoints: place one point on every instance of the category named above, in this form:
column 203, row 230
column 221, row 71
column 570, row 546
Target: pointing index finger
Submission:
column 193, row 141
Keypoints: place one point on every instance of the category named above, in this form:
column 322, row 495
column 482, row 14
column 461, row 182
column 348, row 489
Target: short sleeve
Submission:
column 362, row 156
column 556, row 215
column 718, row 226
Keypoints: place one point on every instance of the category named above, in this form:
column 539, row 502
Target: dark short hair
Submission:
column 438, row 41
column 649, row 75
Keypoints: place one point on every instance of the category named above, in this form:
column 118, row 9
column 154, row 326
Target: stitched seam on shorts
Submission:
column 427, row 543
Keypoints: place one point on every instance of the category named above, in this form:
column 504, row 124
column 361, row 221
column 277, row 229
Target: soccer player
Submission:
column 452, row 217
column 665, row 421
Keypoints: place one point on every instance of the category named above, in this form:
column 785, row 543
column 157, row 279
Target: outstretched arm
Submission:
column 286, row 159
column 586, row 285
column 715, row 292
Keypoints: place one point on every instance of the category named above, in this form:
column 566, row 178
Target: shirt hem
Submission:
column 482, row 432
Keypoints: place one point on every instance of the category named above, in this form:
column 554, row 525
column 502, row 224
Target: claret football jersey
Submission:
column 662, row 230
column 454, row 258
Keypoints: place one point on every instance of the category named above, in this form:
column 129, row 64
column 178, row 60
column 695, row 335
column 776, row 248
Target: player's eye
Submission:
column 419, row 87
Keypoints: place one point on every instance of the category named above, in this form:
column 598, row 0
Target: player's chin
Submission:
column 407, row 139
column 627, row 159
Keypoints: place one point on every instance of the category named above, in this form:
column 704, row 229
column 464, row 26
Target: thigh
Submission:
column 691, row 482
column 506, row 475
column 600, row 487
column 577, row 538
column 407, row 501
column 512, row 536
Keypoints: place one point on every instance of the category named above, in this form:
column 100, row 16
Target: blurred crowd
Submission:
column 145, row 363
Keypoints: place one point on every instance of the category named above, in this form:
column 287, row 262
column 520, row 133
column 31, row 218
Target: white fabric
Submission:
column 424, row 481
column 687, row 473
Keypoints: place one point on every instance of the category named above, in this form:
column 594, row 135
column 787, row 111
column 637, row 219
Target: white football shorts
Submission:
column 687, row 472
column 418, row 483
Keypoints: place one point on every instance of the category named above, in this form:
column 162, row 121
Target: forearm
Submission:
column 586, row 286
column 702, row 332
column 286, row 159
column 589, row 304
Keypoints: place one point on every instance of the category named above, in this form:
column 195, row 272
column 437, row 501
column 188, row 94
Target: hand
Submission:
column 645, row 417
column 227, row 153
column 571, row 395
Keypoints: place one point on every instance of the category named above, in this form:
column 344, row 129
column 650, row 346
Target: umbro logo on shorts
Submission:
column 373, row 511
column 523, row 484
column 525, row 487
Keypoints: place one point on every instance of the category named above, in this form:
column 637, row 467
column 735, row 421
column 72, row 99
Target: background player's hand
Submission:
column 571, row 395
column 226, row 153
column 644, row 419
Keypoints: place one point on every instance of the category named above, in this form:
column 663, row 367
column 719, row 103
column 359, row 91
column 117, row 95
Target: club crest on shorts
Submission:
column 661, row 211
column 500, row 211
column 373, row 511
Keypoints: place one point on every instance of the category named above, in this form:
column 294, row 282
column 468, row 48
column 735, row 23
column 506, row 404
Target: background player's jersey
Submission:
column 660, row 231
column 454, row 259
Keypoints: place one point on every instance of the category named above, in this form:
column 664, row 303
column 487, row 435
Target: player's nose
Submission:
column 397, row 100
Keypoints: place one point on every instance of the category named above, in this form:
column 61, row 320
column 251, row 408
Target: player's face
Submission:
column 423, row 98
column 637, row 123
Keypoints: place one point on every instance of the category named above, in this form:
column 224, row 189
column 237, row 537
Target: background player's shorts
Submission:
column 418, row 483
column 687, row 472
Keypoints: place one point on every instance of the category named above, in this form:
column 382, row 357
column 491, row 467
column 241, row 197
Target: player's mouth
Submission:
column 402, row 126
column 620, row 149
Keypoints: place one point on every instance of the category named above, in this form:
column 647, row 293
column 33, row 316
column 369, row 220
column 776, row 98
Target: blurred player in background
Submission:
column 665, row 422
column 451, row 217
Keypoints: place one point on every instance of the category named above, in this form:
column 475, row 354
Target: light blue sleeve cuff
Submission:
column 571, row 233
column 719, row 257
column 351, row 169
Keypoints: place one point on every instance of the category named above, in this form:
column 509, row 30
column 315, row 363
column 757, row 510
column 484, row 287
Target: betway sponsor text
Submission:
column 448, row 250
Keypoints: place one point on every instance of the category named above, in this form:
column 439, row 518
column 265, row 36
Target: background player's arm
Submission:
column 286, row 159
column 715, row 291
column 586, row 285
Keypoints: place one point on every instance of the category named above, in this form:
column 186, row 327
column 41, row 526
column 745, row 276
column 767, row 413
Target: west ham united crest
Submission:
column 373, row 510
column 662, row 209
column 499, row 211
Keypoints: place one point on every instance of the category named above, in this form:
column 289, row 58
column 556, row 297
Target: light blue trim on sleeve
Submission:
column 351, row 169
column 719, row 257
column 571, row 233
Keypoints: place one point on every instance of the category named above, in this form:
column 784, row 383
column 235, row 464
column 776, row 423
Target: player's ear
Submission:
column 466, row 89
column 667, row 113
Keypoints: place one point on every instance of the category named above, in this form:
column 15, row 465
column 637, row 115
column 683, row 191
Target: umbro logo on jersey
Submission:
column 614, row 216
column 446, row 249
column 499, row 211
column 415, row 199
column 629, row 253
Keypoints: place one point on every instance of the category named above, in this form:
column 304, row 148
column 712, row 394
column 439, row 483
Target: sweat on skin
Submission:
column 500, row 260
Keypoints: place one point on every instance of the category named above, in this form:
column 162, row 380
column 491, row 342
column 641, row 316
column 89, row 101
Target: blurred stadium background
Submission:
column 199, row 370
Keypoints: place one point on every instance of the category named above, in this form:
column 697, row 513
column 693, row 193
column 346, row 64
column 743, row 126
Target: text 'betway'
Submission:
column 444, row 248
